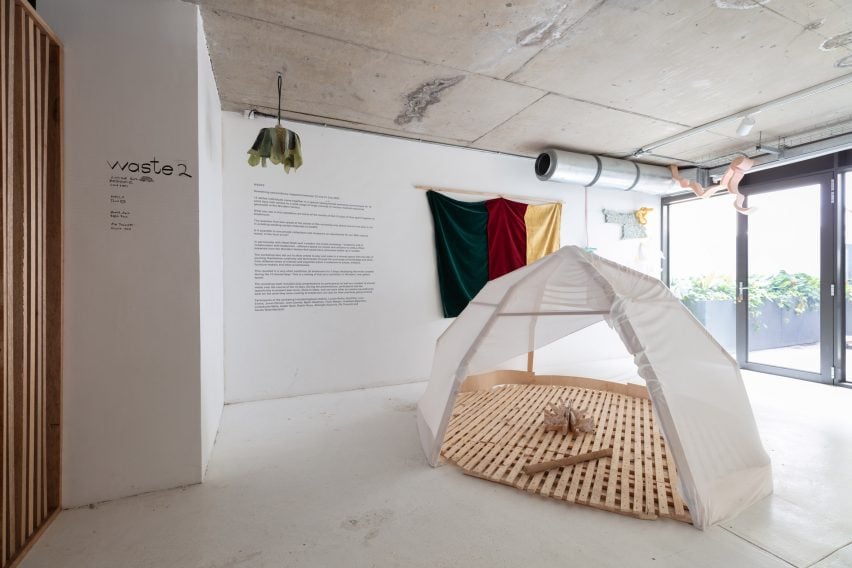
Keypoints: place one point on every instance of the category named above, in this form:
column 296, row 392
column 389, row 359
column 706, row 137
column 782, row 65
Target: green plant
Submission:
column 798, row 292
column 704, row 288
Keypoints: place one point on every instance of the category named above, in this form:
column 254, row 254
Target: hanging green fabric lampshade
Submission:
column 278, row 145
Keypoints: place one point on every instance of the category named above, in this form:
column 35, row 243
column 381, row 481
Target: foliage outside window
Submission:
column 798, row 292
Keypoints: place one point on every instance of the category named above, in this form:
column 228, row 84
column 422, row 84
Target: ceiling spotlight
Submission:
column 745, row 126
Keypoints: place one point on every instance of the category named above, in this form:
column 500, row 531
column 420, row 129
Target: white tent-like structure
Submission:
column 695, row 386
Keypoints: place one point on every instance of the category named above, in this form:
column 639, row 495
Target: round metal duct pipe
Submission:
column 602, row 172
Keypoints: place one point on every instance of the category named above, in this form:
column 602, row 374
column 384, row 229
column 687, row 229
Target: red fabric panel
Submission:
column 507, row 236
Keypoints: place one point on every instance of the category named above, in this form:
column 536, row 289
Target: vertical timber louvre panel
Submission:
column 31, row 263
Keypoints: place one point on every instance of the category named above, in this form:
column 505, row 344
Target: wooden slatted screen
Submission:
column 31, row 262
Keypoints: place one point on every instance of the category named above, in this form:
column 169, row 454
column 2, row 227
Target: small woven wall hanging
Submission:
column 632, row 222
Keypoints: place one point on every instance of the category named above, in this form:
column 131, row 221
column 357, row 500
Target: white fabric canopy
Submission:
column 695, row 386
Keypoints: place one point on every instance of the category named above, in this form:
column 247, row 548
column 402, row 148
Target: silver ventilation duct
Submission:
column 603, row 172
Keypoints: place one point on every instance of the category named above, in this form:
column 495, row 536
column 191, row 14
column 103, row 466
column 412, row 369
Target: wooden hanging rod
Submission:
column 487, row 194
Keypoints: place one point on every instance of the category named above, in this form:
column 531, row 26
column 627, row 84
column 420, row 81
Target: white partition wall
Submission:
column 137, row 108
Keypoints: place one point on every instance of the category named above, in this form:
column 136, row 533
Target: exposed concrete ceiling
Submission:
column 517, row 76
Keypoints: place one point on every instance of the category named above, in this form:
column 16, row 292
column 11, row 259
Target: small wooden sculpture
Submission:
column 554, row 417
column 563, row 417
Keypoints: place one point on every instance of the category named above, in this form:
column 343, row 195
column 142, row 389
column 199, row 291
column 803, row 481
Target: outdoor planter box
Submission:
column 773, row 328
column 720, row 319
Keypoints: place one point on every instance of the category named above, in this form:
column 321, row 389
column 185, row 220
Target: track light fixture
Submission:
column 745, row 126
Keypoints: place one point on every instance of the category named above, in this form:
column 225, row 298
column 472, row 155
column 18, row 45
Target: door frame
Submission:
column 835, row 166
column 829, row 289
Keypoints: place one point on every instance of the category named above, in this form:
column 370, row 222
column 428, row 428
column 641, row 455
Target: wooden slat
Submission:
column 506, row 434
column 613, row 492
column 39, row 273
column 607, row 419
column 18, row 485
column 594, row 470
column 9, row 179
column 5, row 333
column 648, row 455
column 31, row 276
column 659, row 470
column 22, row 268
column 42, row 149
column 578, row 473
column 43, row 343
column 53, row 278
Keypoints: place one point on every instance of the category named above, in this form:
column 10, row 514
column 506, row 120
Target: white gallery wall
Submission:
column 132, row 395
column 387, row 339
column 210, row 243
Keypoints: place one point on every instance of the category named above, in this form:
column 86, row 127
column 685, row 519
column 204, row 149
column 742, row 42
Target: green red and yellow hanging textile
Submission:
column 479, row 241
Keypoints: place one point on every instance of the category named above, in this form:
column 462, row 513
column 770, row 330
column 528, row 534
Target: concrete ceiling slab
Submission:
column 830, row 19
column 326, row 77
column 480, row 36
column 514, row 76
column 557, row 121
column 688, row 62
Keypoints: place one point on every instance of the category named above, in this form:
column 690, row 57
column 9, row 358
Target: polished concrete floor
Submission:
column 338, row 480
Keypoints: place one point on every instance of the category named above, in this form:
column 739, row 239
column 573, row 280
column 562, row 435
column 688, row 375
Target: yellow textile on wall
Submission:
column 543, row 225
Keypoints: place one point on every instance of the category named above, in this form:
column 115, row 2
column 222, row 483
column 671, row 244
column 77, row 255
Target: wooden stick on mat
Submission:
column 544, row 466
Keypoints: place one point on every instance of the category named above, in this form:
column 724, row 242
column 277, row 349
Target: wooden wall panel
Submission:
column 31, row 263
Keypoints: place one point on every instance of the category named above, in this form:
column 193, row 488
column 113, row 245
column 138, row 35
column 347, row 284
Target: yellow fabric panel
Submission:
column 543, row 226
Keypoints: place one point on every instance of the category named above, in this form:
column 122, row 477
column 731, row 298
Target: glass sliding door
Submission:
column 785, row 272
column 702, row 263
column 782, row 274
column 846, row 301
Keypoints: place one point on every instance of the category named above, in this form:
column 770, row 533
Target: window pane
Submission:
column 847, row 188
column 783, row 278
column 702, row 263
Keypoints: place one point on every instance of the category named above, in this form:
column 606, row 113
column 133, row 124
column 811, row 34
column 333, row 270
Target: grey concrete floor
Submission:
column 801, row 357
column 339, row 480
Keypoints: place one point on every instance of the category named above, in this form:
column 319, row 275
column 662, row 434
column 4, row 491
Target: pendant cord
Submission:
column 280, row 84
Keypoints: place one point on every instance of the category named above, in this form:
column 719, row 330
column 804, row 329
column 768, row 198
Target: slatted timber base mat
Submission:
column 493, row 433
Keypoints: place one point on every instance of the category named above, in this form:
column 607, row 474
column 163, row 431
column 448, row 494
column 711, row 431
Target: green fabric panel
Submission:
column 461, row 244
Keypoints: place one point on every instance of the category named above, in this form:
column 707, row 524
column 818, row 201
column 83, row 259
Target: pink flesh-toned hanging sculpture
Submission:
column 730, row 181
